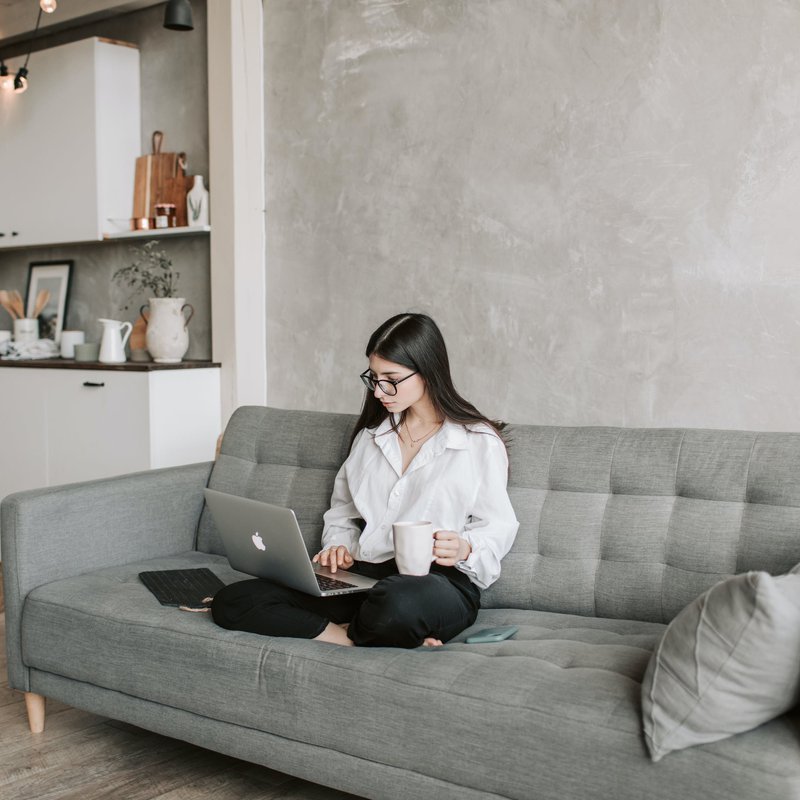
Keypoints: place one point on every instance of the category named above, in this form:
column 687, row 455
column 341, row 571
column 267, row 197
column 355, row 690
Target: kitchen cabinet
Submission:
column 68, row 145
column 67, row 425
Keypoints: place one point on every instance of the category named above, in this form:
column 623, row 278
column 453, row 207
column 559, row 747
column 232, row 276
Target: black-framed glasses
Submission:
column 386, row 385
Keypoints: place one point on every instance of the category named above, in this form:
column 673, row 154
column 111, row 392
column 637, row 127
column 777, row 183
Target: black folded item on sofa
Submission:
column 182, row 587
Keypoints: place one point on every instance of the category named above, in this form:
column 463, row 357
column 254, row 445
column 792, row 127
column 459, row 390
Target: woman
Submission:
column 419, row 451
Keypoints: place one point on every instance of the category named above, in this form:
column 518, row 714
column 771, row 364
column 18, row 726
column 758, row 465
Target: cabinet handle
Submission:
column 93, row 384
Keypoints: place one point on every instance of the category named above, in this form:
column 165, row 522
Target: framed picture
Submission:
column 48, row 292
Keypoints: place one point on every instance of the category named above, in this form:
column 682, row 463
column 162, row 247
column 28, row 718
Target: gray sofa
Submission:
column 620, row 528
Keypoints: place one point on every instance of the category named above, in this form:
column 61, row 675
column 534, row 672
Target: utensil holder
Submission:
column 26, row 330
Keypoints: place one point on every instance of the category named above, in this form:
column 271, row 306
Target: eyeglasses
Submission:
column 386, row 385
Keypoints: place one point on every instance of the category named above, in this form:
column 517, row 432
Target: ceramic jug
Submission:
column 167, row 336
column 112, row 343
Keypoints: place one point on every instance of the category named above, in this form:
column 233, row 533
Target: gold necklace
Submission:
column 415, row 442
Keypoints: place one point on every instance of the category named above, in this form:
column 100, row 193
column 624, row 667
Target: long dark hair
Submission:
column 415, row 341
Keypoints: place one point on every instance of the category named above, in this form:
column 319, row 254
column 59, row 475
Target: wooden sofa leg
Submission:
column 34, row 703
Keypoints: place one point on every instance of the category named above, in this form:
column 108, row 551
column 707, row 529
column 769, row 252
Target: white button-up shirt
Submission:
column 457, row 481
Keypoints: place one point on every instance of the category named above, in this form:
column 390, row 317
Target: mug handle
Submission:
column 141, row 312
column 191, row 313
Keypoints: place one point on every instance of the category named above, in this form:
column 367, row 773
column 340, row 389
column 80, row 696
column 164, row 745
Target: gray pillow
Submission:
column 728, row 662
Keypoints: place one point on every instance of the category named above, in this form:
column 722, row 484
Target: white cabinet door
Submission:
column 185, row 416
column 98, row 423
column 23, row 459
column 68, row 145
column 69, row 425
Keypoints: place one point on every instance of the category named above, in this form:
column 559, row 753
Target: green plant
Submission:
column 151, row 271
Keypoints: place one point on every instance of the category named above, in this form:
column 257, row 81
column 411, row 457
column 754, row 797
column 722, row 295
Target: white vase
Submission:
column 197, row 203
column 167, row 335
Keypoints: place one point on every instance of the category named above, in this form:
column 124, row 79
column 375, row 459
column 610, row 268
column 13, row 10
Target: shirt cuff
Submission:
column 467, row 565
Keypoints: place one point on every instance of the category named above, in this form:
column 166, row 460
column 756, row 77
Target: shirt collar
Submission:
column 452, row 435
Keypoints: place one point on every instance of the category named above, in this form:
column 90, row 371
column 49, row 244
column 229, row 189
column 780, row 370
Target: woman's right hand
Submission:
column 334, row 557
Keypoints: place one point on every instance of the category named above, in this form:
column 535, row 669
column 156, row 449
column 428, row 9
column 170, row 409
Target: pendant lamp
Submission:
column 178, row 16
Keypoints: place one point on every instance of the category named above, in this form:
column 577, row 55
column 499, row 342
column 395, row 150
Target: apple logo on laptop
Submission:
column 258, row 541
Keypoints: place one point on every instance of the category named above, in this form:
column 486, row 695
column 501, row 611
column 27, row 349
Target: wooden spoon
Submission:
column 5, row 301
column 42, row 299
column 16, row 302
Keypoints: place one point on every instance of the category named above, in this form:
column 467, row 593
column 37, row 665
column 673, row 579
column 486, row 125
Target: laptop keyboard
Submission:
column 326, row 583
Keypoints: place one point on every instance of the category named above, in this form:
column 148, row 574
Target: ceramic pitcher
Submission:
column 167, row 335
column 112, row 343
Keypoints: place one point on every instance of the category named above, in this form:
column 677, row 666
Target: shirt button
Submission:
column 396, row 493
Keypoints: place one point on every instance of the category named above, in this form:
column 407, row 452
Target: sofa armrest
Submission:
column 54, row 533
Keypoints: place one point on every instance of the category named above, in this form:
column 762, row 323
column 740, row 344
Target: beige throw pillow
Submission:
column 727, row 663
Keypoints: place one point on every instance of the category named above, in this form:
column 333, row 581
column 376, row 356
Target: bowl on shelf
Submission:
column 89, row 351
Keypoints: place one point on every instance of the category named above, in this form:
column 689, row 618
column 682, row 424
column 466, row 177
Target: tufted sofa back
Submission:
column 614, row 522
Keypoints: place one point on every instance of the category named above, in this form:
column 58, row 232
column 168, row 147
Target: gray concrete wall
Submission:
column 596, row 199
column 174, row 100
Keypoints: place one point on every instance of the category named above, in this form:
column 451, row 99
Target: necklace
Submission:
column 414, row 442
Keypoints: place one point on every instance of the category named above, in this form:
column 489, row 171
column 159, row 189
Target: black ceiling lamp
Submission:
column 178, row 16
column 21, row 80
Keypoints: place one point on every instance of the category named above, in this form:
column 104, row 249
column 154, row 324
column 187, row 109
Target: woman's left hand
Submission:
column 449, row 548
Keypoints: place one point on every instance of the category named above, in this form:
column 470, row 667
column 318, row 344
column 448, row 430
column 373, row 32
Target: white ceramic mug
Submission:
column 68, row 341
column 413, row 547
column 26, row 330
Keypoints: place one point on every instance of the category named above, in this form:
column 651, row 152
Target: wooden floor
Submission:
column 87, row 757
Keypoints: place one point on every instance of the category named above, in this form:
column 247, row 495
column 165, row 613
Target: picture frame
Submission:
column 54, row 277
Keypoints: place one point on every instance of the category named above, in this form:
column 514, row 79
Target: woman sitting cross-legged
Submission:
column 419, row 452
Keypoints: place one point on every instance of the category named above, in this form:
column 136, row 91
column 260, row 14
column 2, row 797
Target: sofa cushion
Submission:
column 728, row 662
column 557, row 707
column 636, row 523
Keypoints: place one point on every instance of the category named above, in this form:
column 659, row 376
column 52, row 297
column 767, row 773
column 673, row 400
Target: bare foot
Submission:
column 431, row 642
column 335, row 634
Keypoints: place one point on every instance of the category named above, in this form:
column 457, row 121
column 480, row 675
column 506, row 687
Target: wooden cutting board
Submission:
column 153, row 171
column 138, row 339
column 174, row 191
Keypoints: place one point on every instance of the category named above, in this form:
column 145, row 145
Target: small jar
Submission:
column 166, row 216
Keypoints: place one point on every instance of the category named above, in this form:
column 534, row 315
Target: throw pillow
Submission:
column 727, row 663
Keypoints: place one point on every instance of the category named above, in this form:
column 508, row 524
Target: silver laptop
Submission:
column 265, row 540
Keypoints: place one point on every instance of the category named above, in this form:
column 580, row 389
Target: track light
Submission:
column 19, row 83
column 21, row 80
column 178, row 16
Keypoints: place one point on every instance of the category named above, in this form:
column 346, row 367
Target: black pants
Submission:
column 399, row 611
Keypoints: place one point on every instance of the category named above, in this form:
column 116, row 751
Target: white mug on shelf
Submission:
column 26, row 330
column 413, row 547
column 68, row 341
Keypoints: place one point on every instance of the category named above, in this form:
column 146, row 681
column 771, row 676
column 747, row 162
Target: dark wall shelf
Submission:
column 128, row 366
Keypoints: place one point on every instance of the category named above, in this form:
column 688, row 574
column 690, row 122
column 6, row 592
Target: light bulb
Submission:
column 48, row 6
column 6, row 80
